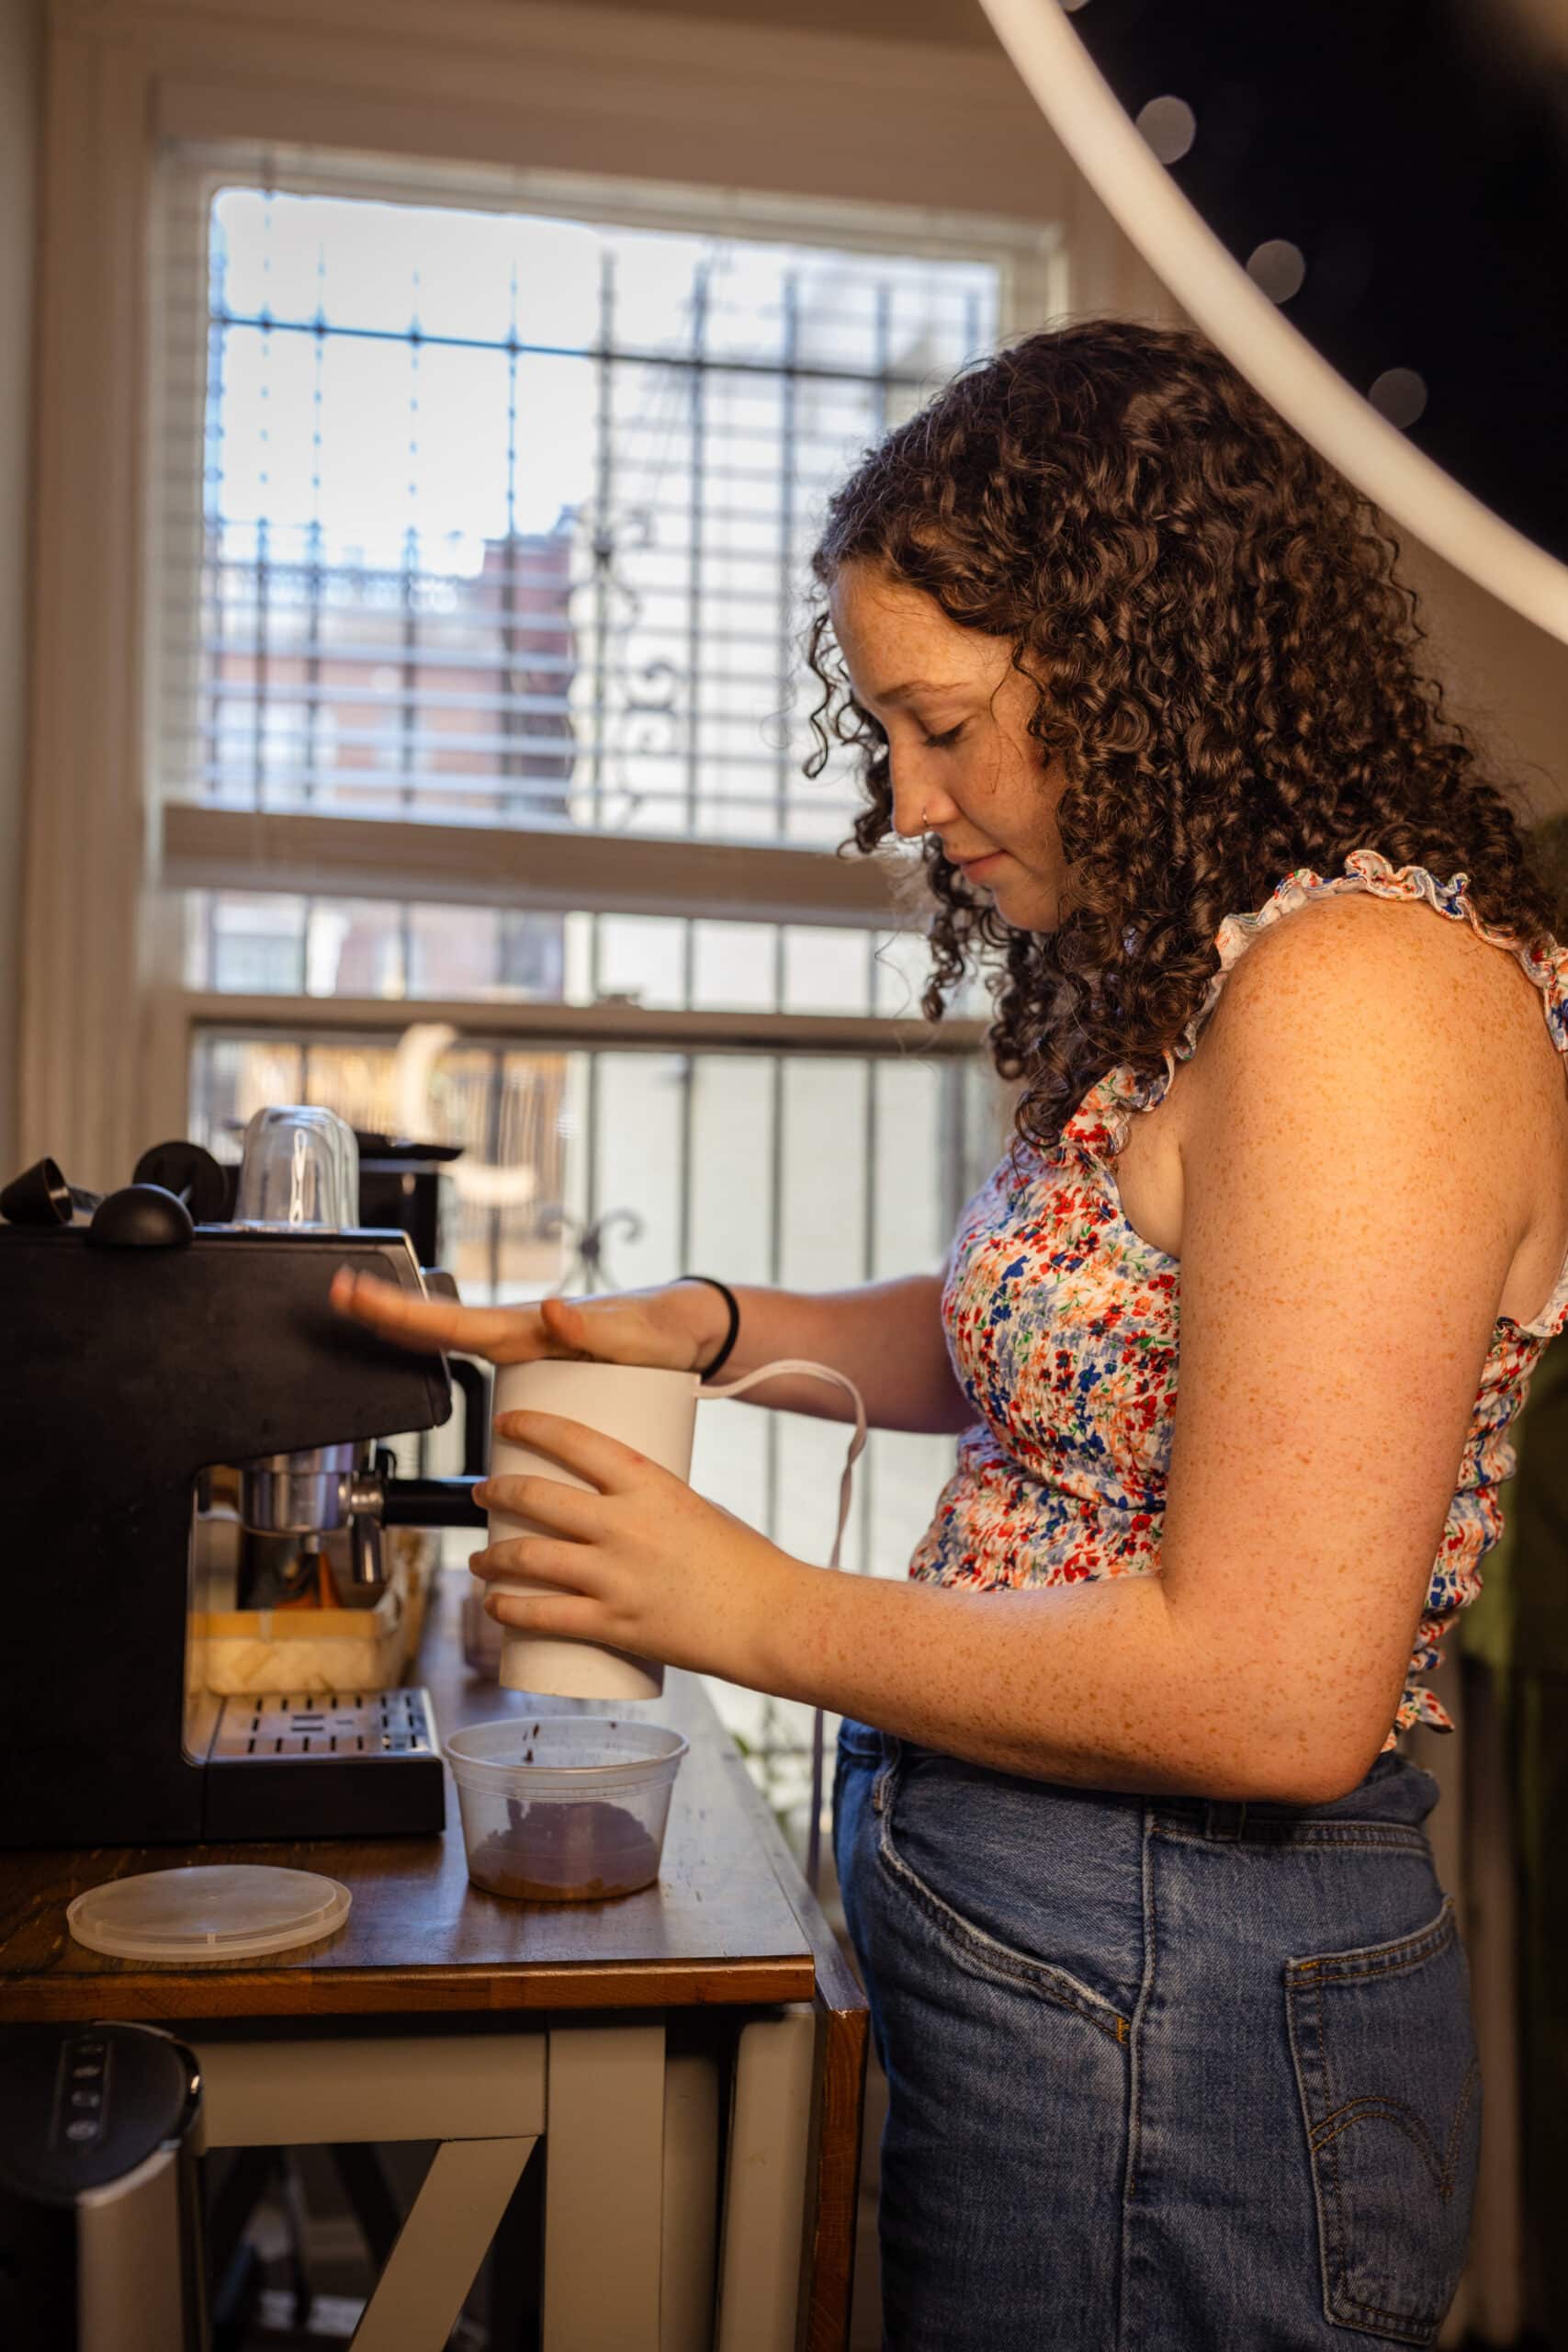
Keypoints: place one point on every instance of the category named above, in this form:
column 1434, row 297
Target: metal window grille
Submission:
column 505, row 518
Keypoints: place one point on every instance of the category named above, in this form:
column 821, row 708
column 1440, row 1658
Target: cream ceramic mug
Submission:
column 655, row 1410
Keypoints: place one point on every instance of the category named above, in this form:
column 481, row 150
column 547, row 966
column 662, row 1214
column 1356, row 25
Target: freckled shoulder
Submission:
column 1403, row 983
column 1394, row 960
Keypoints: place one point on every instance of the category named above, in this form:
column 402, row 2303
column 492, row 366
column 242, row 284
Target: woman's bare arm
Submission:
column 886, row 1336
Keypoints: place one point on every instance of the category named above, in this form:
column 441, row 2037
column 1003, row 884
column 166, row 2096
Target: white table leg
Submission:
column 441, row 2245
column 765, row 2182
column 481, row 2096
column 691, row 2203
column 604, row 2187
column 276, row 2093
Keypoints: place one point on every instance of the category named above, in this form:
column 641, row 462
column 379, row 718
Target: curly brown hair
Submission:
column 1226, row 668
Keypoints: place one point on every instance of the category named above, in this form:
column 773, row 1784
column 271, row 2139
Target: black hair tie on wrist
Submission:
column 734, row 1331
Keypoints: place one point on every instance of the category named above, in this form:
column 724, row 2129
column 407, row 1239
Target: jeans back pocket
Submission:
column 1390, row 2084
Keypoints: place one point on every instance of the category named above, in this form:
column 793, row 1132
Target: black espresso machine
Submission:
column 147, row 1342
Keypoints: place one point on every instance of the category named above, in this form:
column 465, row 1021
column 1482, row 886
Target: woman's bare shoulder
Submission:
column 1395, row 962
column 1384, row 984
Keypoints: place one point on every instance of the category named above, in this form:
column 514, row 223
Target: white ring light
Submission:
column 1215, row 292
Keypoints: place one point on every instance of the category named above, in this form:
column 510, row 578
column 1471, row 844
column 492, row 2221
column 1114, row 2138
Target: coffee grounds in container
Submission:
column 566, row 1853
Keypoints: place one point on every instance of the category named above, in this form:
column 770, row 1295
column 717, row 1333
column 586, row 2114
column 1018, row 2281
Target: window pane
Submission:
column 256, row 943
column 733, row 1180
column 735, row 968
column 355, row 947
column 247, row 945
column 642, row 957
column 917, row 1102
column 824, row 1200
column 505, row 517
column 827, row 969
column 903, row 967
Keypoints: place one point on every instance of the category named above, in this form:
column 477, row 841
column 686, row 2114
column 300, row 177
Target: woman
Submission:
column 1172, row 2006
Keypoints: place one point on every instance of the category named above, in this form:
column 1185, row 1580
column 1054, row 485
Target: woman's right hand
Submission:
column 678, row 1326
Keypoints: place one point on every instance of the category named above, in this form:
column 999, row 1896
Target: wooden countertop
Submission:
column 728, row 1921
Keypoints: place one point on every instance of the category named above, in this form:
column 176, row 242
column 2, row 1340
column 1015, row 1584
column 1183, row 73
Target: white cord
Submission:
column 846, row 1490
column 857, row 1443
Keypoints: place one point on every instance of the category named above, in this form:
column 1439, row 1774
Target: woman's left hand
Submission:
column 641, row 1563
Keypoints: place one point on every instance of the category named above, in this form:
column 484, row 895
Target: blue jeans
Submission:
column 1166, row 2074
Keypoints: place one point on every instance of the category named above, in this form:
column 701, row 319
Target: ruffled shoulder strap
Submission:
column 1099, row 1127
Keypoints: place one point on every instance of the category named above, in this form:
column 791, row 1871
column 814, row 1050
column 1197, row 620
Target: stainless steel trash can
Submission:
column 100, row 2212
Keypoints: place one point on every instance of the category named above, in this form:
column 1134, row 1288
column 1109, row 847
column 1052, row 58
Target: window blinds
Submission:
column 503, row 516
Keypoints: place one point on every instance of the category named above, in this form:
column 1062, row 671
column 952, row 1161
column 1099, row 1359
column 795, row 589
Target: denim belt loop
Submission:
column 892, row 1749
column 1224, row 1817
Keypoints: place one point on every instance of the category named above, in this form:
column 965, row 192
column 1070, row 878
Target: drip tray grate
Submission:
column 330, row 1726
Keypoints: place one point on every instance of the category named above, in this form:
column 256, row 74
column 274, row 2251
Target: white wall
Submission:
column 20, row 102
column 1503, row 677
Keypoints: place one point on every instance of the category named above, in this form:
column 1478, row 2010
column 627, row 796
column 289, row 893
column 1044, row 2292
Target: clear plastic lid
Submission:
column 299, row 1166
column 211, row 1911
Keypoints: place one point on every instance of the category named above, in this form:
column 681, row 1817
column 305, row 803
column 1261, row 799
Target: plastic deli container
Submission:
column 564, row 1808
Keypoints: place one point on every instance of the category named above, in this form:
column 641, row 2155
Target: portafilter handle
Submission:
column 381, row 1499
column 432, row 1502
column 315, row 1493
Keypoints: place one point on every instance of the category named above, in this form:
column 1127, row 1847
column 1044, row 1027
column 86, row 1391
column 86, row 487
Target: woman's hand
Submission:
column 679, row 1326
column 642, row 1563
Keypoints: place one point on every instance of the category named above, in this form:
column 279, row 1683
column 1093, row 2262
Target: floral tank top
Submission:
column 1062, row 1326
